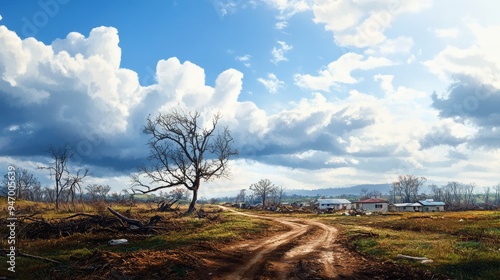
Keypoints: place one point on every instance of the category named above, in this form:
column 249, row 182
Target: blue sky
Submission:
column 317, row 93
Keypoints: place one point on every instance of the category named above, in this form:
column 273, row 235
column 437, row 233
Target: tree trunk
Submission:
column 193, row 201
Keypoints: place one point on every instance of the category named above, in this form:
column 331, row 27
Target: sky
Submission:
column 316, row 93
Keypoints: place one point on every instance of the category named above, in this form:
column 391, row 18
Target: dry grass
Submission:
column 464, row 245
column 73, row 250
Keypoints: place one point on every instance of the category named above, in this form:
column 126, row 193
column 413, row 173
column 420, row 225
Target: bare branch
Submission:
column 183, row 152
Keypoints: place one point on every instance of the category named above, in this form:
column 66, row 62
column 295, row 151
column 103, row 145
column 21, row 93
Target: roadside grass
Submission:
column 185, row 232
column 463, row 245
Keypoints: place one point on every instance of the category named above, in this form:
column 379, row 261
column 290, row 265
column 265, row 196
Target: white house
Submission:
column 333, row 204
column 372, row 205
column 429, row 205
column 406, row 207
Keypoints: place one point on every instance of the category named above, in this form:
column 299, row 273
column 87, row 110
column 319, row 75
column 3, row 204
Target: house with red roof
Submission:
column 372, row 205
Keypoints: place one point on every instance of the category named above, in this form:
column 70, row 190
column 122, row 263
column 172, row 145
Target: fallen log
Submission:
column 131, row 222
column 134, row 224
column 164, row 206
column 82, row 214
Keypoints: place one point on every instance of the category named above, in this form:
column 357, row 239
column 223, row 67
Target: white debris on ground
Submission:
column 118, row 242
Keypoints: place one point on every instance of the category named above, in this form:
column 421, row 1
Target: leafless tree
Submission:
column 124, row 194
column 74, row 185
column 396, row 192
column 487, row 195
column 49, row 194
column 36, row 193
column 251, row 198
column 392, row 194
column 280, row 193
column 363, row 193
column 437, row 192
column 263, row 189
column 178, row 193
column 65, row 182
column 497, row 195
column 241, row 196
column 468, row 192
column 374, row 194
column 184, row 153
column 98, row 192
column 25, row 181
column 453, row 194
column 59, row 169
column 407, row 186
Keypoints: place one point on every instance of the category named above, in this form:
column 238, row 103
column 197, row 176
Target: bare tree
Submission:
column 59, row 169
column 468, row 191
column 487, row 195
column 408, row 185
column 25, row 182
column 364, row 193
column 178, row 193
column 65, row 182
column 98, row 192
column 241, row 196
column 280, row 193
column 374, row 194
column 396, row 192
column 453, row 194
column 497, row 195
column 183, row 153
column 392, row 194
column 74, row 184
column 36, row 192
column 263, row 189
column 437, row 192
column 49, row 194
column 124, row 194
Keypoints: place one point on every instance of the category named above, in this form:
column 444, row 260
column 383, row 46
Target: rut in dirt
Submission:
column 305, row 250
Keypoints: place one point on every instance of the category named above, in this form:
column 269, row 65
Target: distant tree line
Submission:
column 28, row 187
column 456, row 195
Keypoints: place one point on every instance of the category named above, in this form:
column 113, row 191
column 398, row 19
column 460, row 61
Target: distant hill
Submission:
column 356, row 190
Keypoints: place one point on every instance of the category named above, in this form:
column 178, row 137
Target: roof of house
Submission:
column 333, row 201
column 430, row 202
column 407, row 204
column 372, row 200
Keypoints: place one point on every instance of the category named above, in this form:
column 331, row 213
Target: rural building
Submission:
column 429, row 205
column 406, row 207
column 372, row 205
column 333, row 204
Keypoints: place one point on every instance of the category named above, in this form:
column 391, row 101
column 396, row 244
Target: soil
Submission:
column 309, row 249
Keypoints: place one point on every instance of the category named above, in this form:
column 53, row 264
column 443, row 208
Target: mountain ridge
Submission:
column 353, row 190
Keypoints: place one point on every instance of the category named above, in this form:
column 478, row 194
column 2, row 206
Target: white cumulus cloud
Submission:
column 272, row 83
column 480, row 60
column 279, row 52
column 339, row 71
column 245, row 59
column 359, row 23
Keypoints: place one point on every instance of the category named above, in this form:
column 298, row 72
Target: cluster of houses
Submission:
column 380, row 205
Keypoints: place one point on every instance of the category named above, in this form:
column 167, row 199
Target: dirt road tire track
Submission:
column 283, row 256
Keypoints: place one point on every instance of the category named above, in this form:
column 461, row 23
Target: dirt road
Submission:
column 306, row 251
